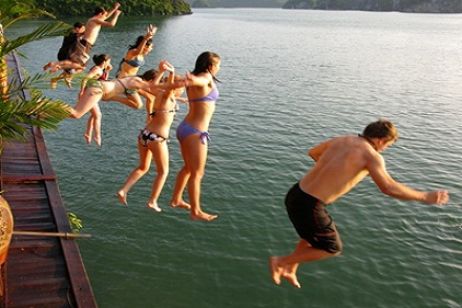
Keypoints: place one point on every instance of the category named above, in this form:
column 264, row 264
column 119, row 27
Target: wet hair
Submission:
column 381, row 129
column 139, row 39
column 98, row 10
column 149, row 75
column 204, row 61
column 78, row 25
column 99, row 59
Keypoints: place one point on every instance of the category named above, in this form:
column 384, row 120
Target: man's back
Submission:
column 340, row 164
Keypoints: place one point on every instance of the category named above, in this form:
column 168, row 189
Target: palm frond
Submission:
column 52, row 29
column 37, row 111
column 14, row 11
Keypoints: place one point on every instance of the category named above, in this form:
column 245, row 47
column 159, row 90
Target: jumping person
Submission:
column 81, row 53
column 64, row 52
column 341, row 163
column 116, row 90
column 134, row 59
column 152, row 141
column 193, row 133
column 99, row 72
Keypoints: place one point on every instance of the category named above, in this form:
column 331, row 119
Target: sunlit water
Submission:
column 290, row 79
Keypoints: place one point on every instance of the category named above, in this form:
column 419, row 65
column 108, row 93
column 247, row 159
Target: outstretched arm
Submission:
column 379, row 174
column 150, row 31
column 111, row 23
column 198, row 81
column 114, row 9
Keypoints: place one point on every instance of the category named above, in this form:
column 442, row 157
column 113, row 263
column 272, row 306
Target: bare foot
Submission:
column 182, row 204
column 47, row 66
column 292, row 279
column 154, row 207
column 202, row 216
column 122, row 197
column 276, row 271
column 97, row 140
column 87, row 138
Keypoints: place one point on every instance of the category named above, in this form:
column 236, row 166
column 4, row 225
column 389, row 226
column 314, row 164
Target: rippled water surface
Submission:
column 289, row 80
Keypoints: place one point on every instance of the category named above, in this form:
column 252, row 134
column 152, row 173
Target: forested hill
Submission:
column 66, row 8
column 416, row 6
column 236, row 3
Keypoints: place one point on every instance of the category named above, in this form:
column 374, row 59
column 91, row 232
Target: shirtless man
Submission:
column 81, row 53
column 341, row 163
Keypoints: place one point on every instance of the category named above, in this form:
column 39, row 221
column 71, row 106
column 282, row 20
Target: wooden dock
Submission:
column 40, row 271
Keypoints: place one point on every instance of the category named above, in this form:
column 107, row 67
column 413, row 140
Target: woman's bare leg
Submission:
column 97, row 117
column 161, row 159
column 87, row 101
column 89, row 130
column 133, row 100
column 195, row 156
column 143, row 167
column 180, row 184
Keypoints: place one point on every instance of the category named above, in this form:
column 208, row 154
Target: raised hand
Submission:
column 151, row 30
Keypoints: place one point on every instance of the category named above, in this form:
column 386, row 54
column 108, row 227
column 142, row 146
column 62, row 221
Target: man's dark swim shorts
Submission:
column 311, row 220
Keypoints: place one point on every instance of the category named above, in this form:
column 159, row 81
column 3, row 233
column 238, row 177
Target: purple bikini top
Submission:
column 211, row 97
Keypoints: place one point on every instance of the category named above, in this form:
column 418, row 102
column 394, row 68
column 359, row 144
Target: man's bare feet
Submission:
column 182, row 205
column 275, row 269
column 202, row 216
column 122, row 197
column 291, row 278
column 154, row 206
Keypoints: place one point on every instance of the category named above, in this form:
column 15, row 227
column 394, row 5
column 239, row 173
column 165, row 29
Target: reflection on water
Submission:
column 290, row 80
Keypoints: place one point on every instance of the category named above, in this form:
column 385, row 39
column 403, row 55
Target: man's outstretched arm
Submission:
column 379, row 174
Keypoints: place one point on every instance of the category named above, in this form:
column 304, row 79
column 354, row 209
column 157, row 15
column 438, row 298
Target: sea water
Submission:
column 290, row 79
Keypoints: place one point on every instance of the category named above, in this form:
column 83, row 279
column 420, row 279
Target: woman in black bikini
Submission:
column 152, row 141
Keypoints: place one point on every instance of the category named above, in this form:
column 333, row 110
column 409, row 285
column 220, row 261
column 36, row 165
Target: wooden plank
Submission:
column 40, row 272
column 77, row 273
column 28, row 178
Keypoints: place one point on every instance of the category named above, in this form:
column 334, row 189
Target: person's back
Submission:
column 69, row 41
column 340, row 165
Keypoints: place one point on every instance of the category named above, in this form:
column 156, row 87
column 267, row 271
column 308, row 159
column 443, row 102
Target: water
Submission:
column 290, row 80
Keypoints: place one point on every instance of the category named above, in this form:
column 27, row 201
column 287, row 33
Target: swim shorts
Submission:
column 81, row 52
column 311, row 220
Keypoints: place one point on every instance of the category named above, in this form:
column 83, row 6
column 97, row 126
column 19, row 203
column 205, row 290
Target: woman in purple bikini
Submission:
column 193, row 133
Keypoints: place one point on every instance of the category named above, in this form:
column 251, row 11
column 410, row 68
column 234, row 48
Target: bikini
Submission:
column 185, row 129
column 147, row 136
column 152, row 114
column 126, row 90
column 135, row 62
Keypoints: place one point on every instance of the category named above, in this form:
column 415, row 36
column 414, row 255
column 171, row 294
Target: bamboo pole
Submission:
column 66, row 235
